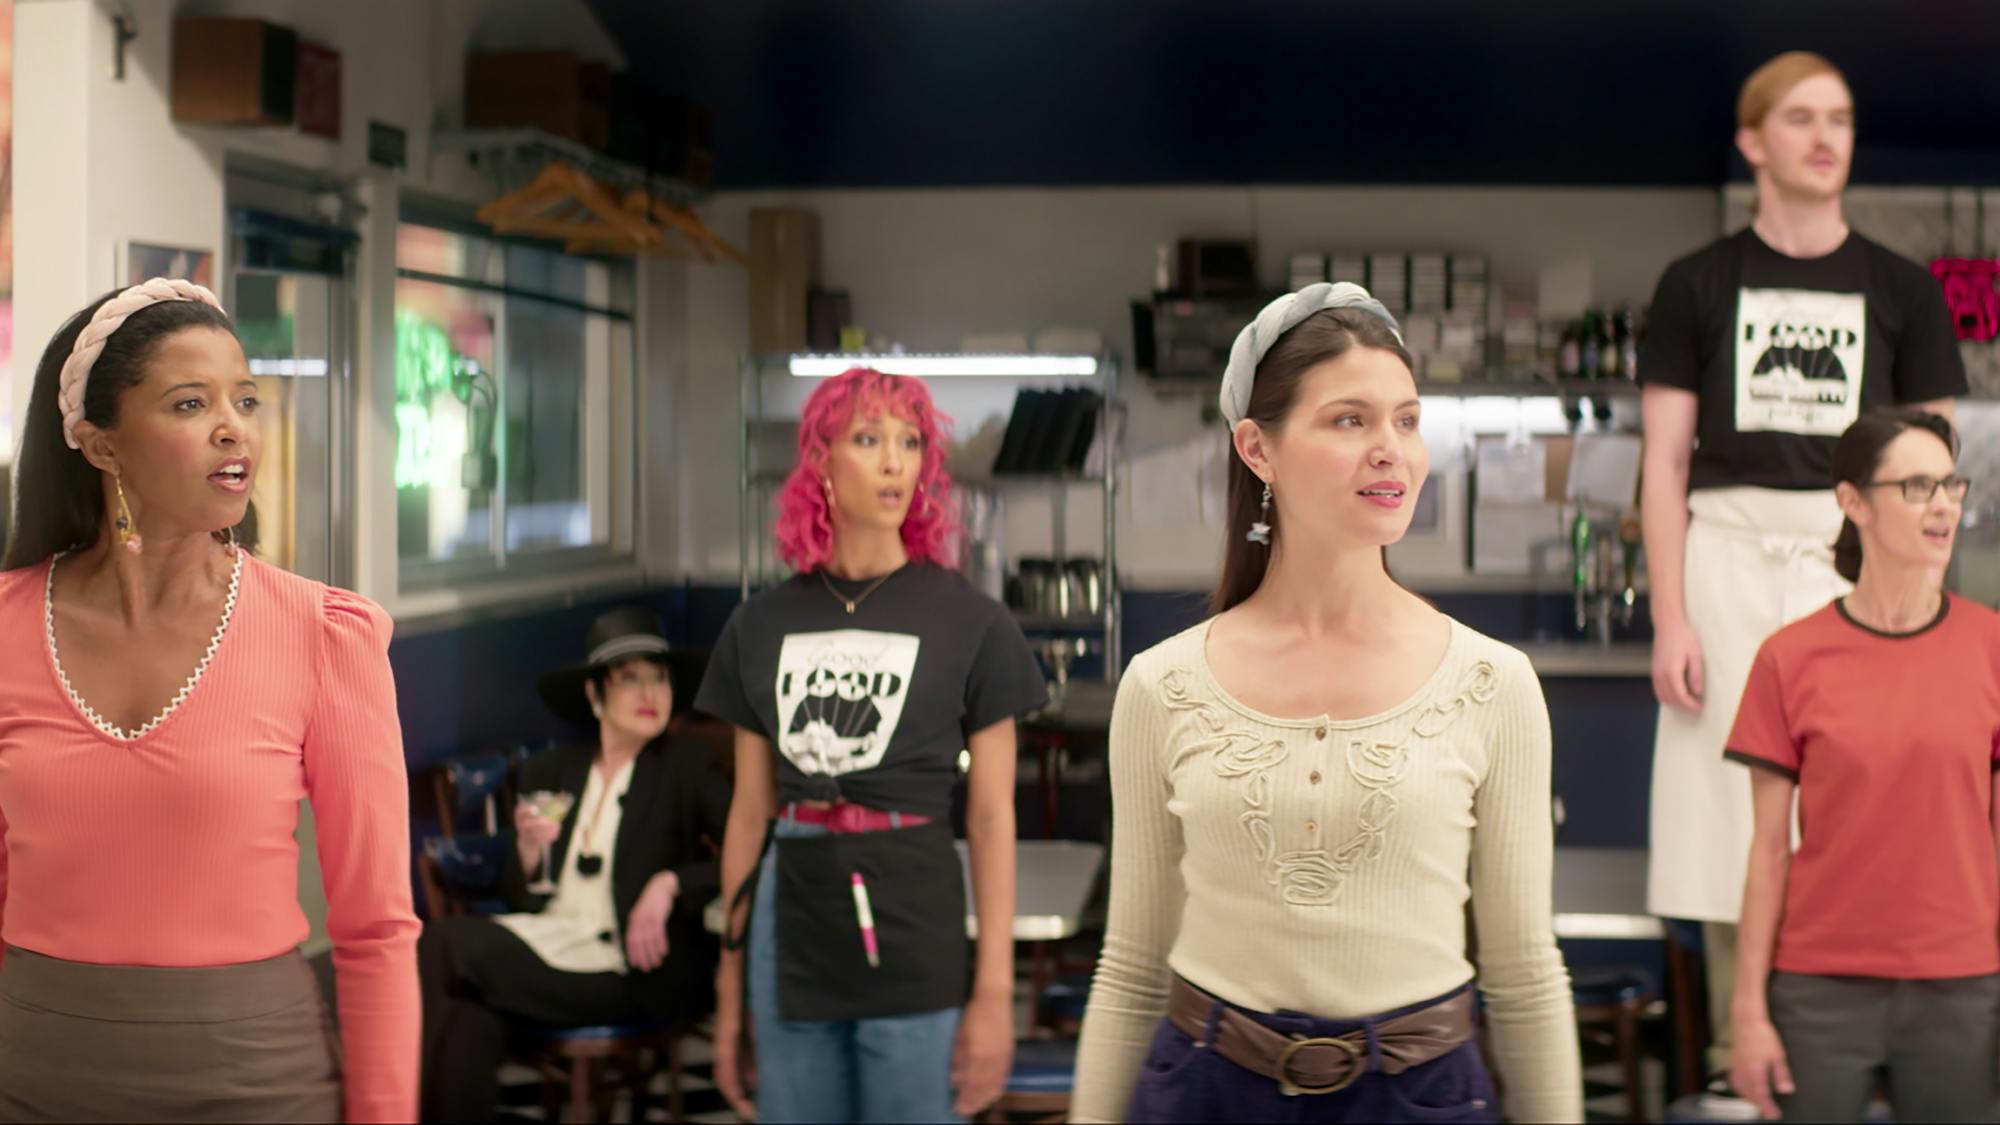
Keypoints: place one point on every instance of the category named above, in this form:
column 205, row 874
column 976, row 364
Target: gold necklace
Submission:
column 589, row 860
column 856, row 600
column 596, row 815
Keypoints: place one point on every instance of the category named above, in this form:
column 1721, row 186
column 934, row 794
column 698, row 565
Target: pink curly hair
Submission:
column 805, row 516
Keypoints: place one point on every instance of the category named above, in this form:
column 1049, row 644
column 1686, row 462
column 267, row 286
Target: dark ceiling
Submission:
column 1066, row 92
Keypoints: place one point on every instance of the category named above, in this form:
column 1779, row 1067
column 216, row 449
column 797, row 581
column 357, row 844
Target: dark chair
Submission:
column 1059, row 1008
column 583, row 1068
column 475, row 792
column 1687, row 1005
column 1609, row 1002
column 1040, row 1084
column 461, row 874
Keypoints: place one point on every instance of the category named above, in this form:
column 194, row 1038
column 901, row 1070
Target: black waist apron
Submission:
column 916, row 890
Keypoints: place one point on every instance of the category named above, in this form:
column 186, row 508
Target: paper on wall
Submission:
column 1604, row 469
column 1511, row 472
column 1507, row 539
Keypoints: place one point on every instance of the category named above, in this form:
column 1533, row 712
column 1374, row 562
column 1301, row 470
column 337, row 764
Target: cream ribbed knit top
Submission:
column 1324, row 866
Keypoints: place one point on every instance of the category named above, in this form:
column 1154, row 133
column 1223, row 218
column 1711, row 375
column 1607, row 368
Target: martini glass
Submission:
column 550, row 804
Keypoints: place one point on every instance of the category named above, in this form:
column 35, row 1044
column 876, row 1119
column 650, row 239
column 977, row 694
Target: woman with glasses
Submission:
column 1875, row 946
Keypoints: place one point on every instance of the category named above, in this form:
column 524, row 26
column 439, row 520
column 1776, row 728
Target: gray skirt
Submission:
column 85, row 1042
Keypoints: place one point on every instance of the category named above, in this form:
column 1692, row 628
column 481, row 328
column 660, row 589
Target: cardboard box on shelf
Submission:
column 1389, row 279
column 784, row 265
column 234, row 72
column 554, row 91
column 1305, row 269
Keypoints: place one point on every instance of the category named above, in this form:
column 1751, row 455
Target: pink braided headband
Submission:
column 109, row 317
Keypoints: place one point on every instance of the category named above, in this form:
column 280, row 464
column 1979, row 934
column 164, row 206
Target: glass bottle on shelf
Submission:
column 1610, row 357
column 1569, row 354
column 1628, row 343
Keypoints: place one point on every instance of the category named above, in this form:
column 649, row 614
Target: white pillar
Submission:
column 54, row 63
column 374, row 409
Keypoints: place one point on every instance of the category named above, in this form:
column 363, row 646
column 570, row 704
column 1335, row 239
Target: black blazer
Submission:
column 673, row 818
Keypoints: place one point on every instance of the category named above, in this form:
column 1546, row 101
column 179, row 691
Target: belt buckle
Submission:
column 1292, row 1089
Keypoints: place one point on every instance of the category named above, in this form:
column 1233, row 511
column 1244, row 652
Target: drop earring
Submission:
column 128, row 535
column 597, row 709
column 1260, row 532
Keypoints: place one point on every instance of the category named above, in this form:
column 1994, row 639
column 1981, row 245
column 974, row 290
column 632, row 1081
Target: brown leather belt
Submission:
column 1321, row 1064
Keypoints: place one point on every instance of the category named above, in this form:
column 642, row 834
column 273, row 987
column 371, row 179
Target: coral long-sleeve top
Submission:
column 177, row 848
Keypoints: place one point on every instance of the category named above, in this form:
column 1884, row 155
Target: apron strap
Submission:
column 734, row 938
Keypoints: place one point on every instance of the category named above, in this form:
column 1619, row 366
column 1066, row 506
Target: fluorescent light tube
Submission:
column 1005, row 366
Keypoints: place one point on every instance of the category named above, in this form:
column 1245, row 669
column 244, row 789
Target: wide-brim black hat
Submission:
column 617, row 635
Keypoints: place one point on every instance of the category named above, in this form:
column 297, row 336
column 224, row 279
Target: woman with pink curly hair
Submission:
column 853, row 687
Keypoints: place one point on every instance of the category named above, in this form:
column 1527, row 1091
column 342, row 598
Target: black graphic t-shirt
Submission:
column 1785, row 353
column 871, row 708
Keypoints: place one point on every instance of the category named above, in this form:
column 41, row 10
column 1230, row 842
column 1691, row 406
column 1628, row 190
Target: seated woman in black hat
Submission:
column 620, row 939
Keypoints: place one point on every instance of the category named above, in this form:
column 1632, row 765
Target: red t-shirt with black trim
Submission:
column 1893, row 740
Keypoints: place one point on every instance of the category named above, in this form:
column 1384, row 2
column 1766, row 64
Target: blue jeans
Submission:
column 895, row 1069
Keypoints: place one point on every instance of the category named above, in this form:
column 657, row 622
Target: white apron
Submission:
column 1757, row 559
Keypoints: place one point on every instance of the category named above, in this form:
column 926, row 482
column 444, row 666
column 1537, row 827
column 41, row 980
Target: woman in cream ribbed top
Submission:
column 1320, row 865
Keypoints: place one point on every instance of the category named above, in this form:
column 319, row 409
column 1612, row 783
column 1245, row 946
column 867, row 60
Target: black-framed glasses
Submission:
column 1920, row 489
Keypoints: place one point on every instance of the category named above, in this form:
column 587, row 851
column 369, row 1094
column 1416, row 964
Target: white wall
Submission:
column 925, row 268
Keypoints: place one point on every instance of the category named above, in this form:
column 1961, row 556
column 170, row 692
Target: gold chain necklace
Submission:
column 589, row 859
column 856, row 600
column 596, row 814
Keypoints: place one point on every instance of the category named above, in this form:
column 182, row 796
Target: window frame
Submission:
column 500, row 565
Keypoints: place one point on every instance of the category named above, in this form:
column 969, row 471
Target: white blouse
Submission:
column 569, row 932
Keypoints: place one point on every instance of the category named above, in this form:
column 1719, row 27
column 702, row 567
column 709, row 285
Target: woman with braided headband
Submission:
column 154, row 752
column 1311, row 785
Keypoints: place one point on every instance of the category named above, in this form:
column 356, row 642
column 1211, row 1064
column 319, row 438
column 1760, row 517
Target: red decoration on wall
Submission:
column 316, row 106
column 1971, row 295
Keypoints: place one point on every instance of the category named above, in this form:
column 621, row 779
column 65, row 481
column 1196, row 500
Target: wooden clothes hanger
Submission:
column 564, row 203
column 711, row 247
column 696, row 240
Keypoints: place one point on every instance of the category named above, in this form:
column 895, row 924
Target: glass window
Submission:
column 505, row 383
column 286, row 322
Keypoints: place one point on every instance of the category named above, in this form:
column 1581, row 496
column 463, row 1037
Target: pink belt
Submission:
column 849, row 819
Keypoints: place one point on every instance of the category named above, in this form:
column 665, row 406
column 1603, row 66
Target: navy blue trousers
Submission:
column 1183, row 1082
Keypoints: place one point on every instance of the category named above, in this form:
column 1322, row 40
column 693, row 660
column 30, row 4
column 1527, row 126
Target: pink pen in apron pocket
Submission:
column 866, row 917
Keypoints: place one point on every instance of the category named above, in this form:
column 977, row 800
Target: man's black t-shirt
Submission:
column 1786, row 352
column 872, row 707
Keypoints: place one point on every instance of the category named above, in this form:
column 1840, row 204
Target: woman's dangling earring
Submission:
column 1260, row 532
column 597, row 709
column 227, row 537
column 128, row 535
